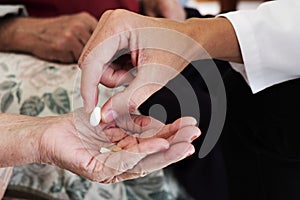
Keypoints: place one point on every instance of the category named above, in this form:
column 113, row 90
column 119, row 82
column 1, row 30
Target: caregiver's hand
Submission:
column 157, row 48
column 73, row 144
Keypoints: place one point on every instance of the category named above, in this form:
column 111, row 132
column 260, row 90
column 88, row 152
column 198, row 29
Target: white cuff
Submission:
column 17, row 10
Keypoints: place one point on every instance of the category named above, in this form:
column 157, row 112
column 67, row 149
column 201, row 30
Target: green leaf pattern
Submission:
column 6, row 101
column 37, row 88
column 19, row 95
column 6, row 85
column 32, row 106
column 58, row 102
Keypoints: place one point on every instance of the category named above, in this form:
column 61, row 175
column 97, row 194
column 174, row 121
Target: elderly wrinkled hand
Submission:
column 59, row 39
column 143, row 145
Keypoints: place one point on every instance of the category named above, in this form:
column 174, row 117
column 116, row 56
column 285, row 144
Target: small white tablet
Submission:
column 106, row 150
column 95, row 117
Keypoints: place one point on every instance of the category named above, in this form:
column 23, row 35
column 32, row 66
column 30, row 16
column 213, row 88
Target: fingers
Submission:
column 157, row 59
column 138, row 124
column 59, row 39
column 139, row 155
column 89, row 21
column 79, row 30
column 186, row 134
column 91, row 42
column 89, row 85
column 169, row 129
column 150, row 78
column 158, row 161
column 114, row 78
column 119, row 162
column 95, row 58
column 141, row 128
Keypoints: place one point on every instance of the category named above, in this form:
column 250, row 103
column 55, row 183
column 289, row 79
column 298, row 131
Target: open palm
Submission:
column 147, row 145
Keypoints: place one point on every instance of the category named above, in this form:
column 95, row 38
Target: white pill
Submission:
column 104, row 150
column 95, row 117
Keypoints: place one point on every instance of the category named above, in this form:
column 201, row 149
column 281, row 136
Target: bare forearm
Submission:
column 7, row 34
column 216, row 36
column 20, row 139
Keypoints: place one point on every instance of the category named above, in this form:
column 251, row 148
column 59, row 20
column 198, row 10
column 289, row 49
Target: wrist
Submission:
column 14, row 36
column 50, row 144
column 9, row 33
column 37, row 136
column 216, row 36
column 20, row 139
column 7, row 25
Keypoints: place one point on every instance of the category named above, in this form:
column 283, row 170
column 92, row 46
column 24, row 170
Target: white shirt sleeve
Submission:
column 269, row 39
column 18, row 10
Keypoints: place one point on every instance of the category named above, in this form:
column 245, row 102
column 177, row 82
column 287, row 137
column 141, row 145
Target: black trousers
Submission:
column 202, row 178
column 257, row 156
column 261, row 140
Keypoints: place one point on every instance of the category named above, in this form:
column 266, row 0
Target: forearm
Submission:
column 13, row 36
column 20, row 139
column 216, row 36
column 7, row 34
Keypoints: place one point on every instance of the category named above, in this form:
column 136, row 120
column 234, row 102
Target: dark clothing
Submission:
column 202, row 178
column 258, row 154
column 261, row 140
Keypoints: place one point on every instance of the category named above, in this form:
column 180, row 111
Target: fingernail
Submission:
column 165, row 146
column 190, row 152
column 189, row 155
column 109, row 116
column 195, row 137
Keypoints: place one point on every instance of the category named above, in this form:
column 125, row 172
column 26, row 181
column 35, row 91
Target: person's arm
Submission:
column 160, row 48
column 216, row 36
column 20, row 139
column 70, row 142
column 59, row 39
column 269, row 41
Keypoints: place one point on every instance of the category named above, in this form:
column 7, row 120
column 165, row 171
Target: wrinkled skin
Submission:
column 59, row 39
column 147, row 145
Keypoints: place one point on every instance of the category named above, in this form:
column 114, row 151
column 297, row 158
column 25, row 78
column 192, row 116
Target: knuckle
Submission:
column 142, row 121
column 67, row 35
column 57, row 47
column 107, row 13
column 76, row 26
column 84, row 14
column 64, row 42
column 118, row 14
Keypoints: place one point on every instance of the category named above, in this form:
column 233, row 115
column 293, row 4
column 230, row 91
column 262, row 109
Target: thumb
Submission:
column 150, row 78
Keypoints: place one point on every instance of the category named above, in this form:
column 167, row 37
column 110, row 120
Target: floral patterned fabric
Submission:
column 34, row 87
column 5, row 174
